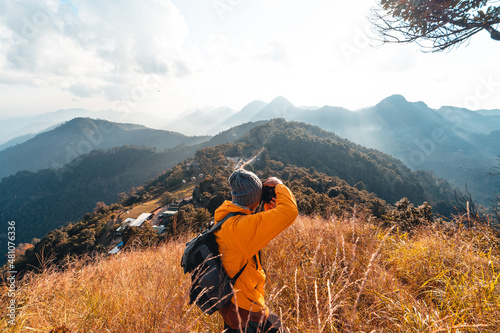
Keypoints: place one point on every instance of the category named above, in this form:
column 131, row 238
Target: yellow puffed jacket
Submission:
column 242, row 236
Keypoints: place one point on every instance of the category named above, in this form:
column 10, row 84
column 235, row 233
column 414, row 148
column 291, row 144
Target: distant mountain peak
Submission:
column 254, row 106
column 79, row 136
column 256, row 102
column 78, row 122
column 281, row 101
column 95, row 122
column 396, row 99
column 276, row 109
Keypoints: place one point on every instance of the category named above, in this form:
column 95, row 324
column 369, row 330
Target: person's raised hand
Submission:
column 272, row 181
column 271, row 205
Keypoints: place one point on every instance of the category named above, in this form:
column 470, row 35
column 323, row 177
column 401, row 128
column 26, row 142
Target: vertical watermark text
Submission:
column 11, row 272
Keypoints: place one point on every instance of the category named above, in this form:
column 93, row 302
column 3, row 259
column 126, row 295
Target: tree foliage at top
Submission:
column 436, row 25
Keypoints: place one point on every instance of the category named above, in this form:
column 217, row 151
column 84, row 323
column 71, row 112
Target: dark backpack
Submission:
column 211, row 288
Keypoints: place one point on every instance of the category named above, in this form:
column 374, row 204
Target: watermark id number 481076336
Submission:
column 11, row 273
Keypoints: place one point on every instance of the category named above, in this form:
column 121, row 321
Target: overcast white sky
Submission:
column 167, row 56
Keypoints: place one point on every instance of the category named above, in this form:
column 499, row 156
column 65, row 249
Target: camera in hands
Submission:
column 268, row 194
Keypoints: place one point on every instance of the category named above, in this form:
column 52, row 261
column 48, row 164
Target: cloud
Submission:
column 81, row 90
column 181, row 69
column 218, row 49
column 277, row 51
column 91, row 47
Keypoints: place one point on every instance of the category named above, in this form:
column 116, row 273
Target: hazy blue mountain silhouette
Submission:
column 55, row 148
column 455, row 143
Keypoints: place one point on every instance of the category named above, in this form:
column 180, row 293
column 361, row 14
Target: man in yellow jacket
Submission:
column 240, row 239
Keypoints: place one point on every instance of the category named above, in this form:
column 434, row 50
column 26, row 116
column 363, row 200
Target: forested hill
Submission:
column 305, row 153
column 47, row 199
column 50, row 198
column 308, row 146
column 328, row 175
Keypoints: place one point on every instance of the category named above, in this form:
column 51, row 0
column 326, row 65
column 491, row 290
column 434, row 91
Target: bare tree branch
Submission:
column 435, row 25
column 461, row 199
column 495, row 171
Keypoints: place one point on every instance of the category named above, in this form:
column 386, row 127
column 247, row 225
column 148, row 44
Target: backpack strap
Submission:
column 217, row 227
column 233, row 280
column 260, row 261
column 219, row 223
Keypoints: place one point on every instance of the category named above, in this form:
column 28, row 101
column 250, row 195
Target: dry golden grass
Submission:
column 146, row 207
column 341, row 275
column 184, row 192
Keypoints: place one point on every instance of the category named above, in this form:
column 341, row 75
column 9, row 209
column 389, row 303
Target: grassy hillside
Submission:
column 344, row 274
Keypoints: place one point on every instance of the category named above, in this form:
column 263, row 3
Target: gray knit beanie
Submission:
column 246, row 187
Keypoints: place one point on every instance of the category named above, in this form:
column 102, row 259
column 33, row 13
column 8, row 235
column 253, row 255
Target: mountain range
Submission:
column 59, row 146
column 29, row 126
column 456, row 144
column 345, row 194
column 326, row 172
column 52, row 197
